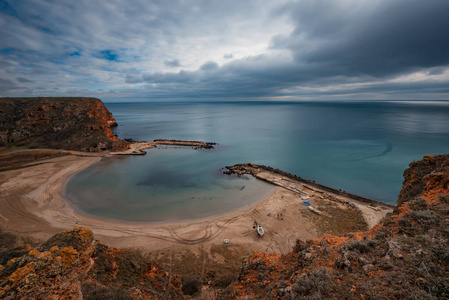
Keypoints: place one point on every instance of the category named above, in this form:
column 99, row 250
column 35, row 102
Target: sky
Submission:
column 207, row 50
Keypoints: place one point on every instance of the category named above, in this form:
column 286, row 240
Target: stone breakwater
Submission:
column 255, row 170
column 370, row 210
column 196, row 144
column 137, row 148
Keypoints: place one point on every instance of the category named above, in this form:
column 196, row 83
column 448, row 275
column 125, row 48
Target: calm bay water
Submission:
column 362, row 148
column 165, row 185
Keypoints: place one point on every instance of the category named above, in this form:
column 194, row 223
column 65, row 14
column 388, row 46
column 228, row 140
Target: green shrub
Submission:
column 7, row 240
column 131, row 265
column 418, row 204
column 360, row 246
column 224, row 279
column 190, row 285
column 95, row 292
column 414, row 191
column 426, row 218
column 315, row 284
column 418, row 221
column 441, row 254
column 18, row 251
column 443, row 198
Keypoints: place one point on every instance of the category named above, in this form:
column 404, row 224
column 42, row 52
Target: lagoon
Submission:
column 360, row 147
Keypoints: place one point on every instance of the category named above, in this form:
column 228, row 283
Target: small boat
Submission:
column 260, row 230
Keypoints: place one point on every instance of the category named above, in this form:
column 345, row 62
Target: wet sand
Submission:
column 31, row 204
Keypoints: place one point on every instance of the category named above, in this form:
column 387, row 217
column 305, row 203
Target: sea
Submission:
column 359, row 147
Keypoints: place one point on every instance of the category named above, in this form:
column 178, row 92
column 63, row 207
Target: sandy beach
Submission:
column 32, row 204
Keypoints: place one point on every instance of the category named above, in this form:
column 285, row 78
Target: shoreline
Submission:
column 33, row 203
column 80, row 213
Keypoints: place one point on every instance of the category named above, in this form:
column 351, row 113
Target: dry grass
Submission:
column 336, row 220
column 218, row 265
column 14, row 160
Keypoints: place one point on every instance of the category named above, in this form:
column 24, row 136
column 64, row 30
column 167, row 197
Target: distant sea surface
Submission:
column 359, row 147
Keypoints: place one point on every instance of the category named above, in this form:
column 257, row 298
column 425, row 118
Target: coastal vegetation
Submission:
column 11, row 160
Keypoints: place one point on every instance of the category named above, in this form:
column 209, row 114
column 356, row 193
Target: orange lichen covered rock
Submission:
column 405, row 255
column 80, row 238
column 72, row 265
column 59, row 123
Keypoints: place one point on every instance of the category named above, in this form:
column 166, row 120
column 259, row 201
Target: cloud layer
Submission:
column 226, row 50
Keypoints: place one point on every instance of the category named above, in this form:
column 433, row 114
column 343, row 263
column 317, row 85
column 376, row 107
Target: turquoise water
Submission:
column 359, row 147
column 168, row 184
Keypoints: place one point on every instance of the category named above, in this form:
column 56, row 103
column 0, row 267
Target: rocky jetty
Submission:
column 255, row 170
column 72, row 265
column 371, row 211
column 405, row 256
column 195, row 144
column 82, row 124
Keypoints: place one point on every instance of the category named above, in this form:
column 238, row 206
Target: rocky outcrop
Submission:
column 427, row 177
column 59, row 123
column 72, row 265
column 195, row 144
column 405, row 255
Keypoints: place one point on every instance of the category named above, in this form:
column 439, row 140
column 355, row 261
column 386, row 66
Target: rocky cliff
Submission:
column 60, row 123
column 404, row 257
column 72, row 265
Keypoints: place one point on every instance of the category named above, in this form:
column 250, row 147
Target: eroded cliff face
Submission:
column 60, row 123
column 427, row 178
column 72, row 265
column 407, row 255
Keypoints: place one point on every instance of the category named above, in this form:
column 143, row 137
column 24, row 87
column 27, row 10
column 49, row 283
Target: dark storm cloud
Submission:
column 386, row 38
column 250, row 77
column 7, row 86
column 334, row 44
column 306, row 48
